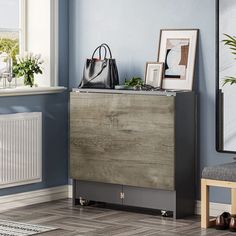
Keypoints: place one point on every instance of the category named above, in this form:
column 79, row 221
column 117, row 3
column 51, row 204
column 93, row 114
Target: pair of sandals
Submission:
column 226, row 221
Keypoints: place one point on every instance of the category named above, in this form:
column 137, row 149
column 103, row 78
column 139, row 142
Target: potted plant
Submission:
column 27, row 66
column 135, row 83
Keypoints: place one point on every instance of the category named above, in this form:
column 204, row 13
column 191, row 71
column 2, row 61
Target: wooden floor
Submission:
column 98, row 220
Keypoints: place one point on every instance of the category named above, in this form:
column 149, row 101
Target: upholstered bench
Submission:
column 217, row 176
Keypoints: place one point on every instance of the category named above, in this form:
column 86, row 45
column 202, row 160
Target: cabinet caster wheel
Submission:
column 165, row 213
column 83, row 202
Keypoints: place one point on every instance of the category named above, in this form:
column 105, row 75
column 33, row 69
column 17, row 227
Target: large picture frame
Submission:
column 225, row 70
column 177, row 49
column 154, row 74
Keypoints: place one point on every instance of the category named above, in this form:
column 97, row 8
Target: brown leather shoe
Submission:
column 232, row 224
column 222, row 221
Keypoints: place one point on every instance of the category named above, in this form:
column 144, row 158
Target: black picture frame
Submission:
column 219, row 98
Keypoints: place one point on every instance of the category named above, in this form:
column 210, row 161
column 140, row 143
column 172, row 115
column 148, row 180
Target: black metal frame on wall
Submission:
column 218, row 92
column 218, row 146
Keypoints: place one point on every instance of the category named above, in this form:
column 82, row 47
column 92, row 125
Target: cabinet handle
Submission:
column 122, row 195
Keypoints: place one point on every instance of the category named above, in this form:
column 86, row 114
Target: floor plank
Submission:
column 97, row 220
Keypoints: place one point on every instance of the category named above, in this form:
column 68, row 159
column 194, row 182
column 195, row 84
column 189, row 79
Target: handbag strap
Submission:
column 104, row 64
column 100, row 54
column 105, row 45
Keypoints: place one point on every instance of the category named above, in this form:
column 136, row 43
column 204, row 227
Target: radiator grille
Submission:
column 20, row 149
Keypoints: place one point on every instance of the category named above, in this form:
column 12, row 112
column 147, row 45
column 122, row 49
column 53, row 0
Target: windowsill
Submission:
column 24, row 91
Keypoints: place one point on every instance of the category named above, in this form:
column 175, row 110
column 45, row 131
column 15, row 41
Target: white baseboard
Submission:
column 70, row 191
column 34, row 197
column 215, row 208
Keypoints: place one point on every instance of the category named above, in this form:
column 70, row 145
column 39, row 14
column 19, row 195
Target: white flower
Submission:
column 31, row 55
column 17, row 57
column 37, row 56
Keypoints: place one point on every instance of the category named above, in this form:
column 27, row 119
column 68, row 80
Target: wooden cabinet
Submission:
column 143, row 141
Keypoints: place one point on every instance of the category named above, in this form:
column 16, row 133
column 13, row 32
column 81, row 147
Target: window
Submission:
column 11, row 37
column 42, row 37
column 31, row 25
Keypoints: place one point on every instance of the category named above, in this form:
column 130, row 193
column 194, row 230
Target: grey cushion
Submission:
column 225, row 172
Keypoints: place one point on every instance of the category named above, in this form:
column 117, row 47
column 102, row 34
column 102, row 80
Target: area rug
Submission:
column 11, row 228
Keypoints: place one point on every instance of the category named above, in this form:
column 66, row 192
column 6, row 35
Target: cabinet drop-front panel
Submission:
column 123, row 139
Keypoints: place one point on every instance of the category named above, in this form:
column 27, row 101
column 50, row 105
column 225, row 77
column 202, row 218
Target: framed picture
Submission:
column 154, row 74
column 177, row 49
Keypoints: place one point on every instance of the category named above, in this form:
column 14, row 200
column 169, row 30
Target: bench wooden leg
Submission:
column 233, row 201
column 204, row 204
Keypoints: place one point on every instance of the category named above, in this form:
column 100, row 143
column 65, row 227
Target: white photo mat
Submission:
column 154, row 74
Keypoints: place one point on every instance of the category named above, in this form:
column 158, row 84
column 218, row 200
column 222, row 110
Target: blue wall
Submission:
column 54, row 110
column 132, row 29
column 55, row 119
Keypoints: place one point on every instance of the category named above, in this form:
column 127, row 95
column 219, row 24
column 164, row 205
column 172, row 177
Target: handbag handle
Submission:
column 100, row 54
column 105, row 45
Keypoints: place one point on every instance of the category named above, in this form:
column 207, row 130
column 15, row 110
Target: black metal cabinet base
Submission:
column 133, row 196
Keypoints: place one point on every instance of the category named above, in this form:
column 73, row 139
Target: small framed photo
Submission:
column 154, row 74
column 177, row 49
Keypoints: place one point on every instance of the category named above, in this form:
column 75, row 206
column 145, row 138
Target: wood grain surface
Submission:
column 123, row 139
column 99, row 221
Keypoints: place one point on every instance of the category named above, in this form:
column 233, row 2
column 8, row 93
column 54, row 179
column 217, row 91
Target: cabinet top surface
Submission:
column 113, row 91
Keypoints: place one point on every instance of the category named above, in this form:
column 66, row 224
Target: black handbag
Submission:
column 100, row 73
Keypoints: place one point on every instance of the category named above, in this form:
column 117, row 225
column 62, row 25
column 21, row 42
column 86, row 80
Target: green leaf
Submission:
column 231, row 42
column 135, row 81
column 229, row 80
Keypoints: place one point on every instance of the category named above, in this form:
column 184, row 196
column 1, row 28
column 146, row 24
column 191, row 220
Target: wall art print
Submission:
column 177, row 49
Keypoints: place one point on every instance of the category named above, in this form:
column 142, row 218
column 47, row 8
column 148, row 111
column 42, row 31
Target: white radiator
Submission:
column 20, row 149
